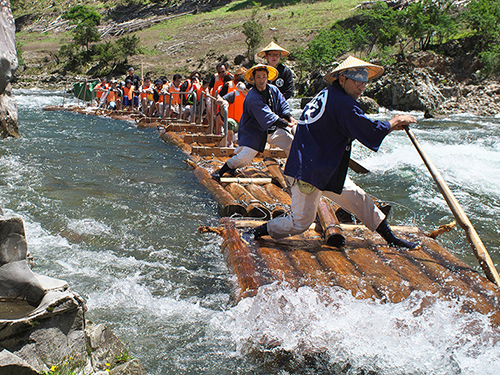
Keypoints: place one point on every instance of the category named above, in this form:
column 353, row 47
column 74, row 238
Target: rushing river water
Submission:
column 114, row 211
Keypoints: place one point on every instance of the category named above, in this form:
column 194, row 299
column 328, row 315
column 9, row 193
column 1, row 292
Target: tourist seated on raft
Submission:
column 156, row 108
column 146, row 95
column 195, row 95
column 175, row 102
column 189, row 85
column 227, row 78
column 266, row 118
column 233, row 103
column 320, row 153
column 101, row 89
column 216, row 81
column 166, row 83
column 230, row 85
column 114, row 96
column 129, row 97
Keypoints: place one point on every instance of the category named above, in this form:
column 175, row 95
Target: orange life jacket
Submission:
column 176, row 99
column 112, row 95
column 128, row 92
column 99, row 87
column 231, row 86
column 197, row 88
column 218, row 82
column 188, row 88
column 148, row 95
column 160, row 100
column 235, row 109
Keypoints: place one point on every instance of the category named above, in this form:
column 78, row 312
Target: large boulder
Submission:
column 8, row 66
column 42, row 322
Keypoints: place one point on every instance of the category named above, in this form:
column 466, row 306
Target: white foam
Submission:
column 421, row 335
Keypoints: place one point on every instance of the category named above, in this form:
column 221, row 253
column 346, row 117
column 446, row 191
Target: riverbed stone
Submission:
column 11, row 364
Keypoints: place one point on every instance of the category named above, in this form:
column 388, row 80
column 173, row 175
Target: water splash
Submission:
column 421, row 335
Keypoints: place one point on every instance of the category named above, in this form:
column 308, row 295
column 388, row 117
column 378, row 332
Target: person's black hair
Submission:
column 260, row 69
column 220, row 65
column 176, row 76
column 206, row 81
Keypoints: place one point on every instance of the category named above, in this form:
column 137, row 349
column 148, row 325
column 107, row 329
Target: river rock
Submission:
column 8, row 66
column 42, row 321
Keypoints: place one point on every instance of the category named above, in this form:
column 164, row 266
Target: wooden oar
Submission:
column 477, row 245
column 356, row 167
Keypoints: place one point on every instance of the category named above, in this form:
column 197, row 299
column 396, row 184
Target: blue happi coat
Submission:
column 321, row 147
column 257, row 117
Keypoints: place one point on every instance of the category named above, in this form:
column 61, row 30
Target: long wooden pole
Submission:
column 475, row 242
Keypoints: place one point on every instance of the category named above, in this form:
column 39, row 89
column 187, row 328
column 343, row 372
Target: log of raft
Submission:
column 273, row 167
column 261, row 194
column 331, row 225
column 229, row 205
column 254, row 207
column 242, row 261
column 278, row 195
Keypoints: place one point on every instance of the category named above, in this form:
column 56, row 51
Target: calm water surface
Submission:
column 114, row 211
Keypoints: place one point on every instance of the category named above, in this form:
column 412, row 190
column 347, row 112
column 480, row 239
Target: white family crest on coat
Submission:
column 314, row 109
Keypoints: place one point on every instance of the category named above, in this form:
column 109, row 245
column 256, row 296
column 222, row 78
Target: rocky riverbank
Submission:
column 42, row 321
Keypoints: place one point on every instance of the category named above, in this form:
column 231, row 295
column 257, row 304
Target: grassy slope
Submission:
column 204, row 37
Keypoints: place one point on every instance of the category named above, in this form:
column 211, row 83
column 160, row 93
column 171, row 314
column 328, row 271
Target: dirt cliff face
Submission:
column 8, row 65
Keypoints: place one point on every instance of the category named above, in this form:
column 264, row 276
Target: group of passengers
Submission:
column 179, row 98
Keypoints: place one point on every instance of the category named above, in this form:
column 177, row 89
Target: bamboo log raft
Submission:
column 363, row 265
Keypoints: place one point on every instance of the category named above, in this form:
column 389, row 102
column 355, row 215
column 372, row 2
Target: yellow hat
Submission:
column 273, row 47
column 272, row 73
column 374, row 71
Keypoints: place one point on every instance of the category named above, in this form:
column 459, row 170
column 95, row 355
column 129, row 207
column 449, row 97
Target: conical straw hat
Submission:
column 272, row 73
column 272, row 47
column 374, row 71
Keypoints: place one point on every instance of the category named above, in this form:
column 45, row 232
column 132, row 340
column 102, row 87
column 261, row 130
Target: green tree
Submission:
column 429, row 19
column 113, row 54
column 483, row 16
column 381, row 25
column 86, row 21
column 253, row 31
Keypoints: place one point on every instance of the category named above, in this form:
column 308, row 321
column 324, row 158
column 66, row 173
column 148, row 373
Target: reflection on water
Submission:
column 114, row 211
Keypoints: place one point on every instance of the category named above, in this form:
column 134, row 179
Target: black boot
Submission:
column 225, row 168
column 251, row 235
column 385, row 231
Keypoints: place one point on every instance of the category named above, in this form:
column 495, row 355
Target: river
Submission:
column 114, row 211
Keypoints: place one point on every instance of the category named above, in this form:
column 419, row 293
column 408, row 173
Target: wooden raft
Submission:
column 363, row 265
